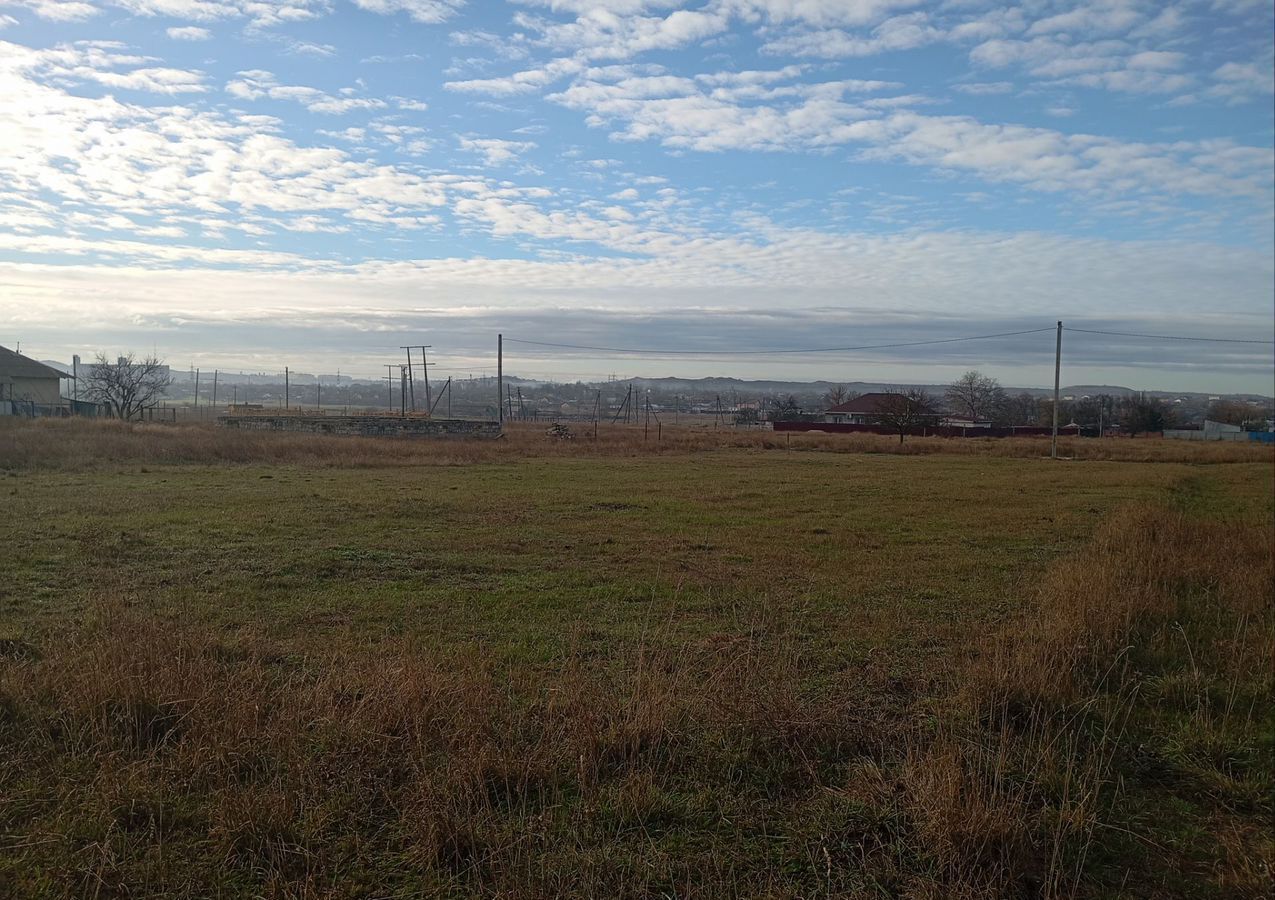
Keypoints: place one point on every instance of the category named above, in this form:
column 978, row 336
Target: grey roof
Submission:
column 15, row 365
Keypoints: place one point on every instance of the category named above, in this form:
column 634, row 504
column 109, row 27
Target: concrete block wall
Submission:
column 366, row 426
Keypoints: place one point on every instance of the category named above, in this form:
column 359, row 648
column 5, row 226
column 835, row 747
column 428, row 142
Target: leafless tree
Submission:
column 901, row 411
column 1020, row 409
column 782, row 408
column 976, row 396
column 1141, row 414
column 837, row 394
column 129, row 386
column 1235, row 412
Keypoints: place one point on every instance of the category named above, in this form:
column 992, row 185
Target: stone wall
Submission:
column 366, row 426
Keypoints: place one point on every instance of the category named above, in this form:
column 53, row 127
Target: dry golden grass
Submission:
column 79, row 444
column 1130, row 710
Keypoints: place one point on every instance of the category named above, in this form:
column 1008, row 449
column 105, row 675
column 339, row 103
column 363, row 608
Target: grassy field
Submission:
column 267, row 665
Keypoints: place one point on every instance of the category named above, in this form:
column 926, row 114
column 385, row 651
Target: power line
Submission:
column 1166, row 337
column 973, row 337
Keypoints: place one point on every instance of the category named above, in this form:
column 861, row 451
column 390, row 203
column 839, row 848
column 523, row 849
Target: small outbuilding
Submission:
column 28, row 387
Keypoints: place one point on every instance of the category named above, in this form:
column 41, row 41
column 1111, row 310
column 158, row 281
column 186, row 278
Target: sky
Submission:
column 249, row 184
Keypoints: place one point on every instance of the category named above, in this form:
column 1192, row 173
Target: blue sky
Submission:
column 246, row 184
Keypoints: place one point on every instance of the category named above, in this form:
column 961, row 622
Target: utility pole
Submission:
column 429, row 404
column 411, row 382
column 196, row 389
column 448, row 388
column 389, row 380
column 1053, row 441
column 597, row 398
column 500, row 376
column 214, row 403
column 287, row 375
column 318, row 395
column 402, row 390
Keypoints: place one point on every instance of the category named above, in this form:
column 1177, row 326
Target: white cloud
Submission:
column 1239, row 82
column 679, row 114
column 189, row 33
column 494, row 152
column 57, row 10
column 306, row 48
column 899, row 33
column 1111, row 64
column 88, row 61
column 817, row 12
column 523, row 82
column 123, row 158
column 428, row 12
column 1089, row 20
column 984, row 88
column 255, row 84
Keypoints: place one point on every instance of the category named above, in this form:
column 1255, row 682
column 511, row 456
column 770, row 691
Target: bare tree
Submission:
column 783, row 408
column 837, row 394
column 901, row 411
column 1235, row 412
column 1021, row 409
column 129, row 386
column 1142, row 414
column 976, row 396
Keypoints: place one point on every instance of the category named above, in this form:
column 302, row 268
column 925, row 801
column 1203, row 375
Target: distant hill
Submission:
column 756, row 387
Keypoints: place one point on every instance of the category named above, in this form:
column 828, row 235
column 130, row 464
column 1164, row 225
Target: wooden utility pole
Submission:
column 389, row 380
column 448, row 388
column 1053, row 441
column 500, row 376
column 196, row 389
column 214, row 400
column 624, row 408
column 410, row 381
column 286, row 378
column 425, row 369
column 597, row 398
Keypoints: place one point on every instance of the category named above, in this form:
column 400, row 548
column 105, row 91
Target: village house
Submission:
column 28, row 387
column 866, row 409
